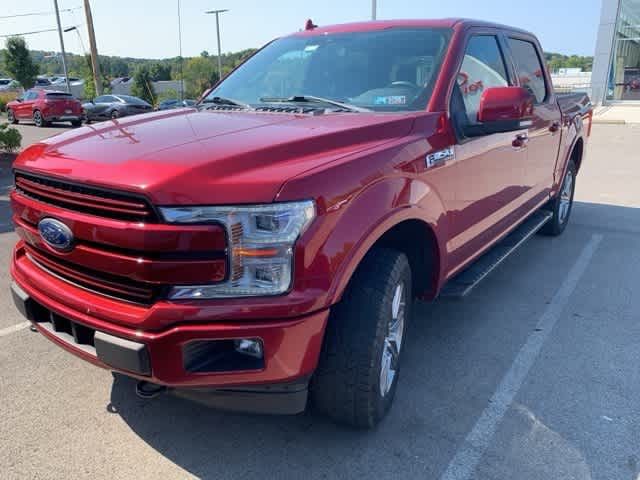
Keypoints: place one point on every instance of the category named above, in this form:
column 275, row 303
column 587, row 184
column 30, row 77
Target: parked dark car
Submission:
column 114, row 106
column 175, row 103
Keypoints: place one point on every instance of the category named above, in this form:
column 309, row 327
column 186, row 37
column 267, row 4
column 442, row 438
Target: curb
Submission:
column 604, row 121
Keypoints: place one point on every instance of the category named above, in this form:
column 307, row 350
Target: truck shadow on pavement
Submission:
column 456, row 354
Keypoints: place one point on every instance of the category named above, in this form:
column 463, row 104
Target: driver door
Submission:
column 483, row 185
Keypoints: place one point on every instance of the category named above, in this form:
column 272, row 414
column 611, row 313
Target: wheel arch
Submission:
column 408, row 231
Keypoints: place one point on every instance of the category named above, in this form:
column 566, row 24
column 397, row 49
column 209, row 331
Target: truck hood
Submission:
column 208, row 157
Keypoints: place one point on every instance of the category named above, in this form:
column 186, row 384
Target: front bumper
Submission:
column 291, row 347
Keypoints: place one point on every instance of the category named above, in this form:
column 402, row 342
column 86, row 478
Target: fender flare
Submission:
column 433, row 218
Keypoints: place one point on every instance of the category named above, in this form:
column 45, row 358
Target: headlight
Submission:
column 261, row 240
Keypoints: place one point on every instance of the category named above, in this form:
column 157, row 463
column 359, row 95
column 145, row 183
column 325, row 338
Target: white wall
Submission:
column 604, row 47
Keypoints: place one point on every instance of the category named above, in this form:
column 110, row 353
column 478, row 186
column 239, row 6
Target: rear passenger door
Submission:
column 483, row 185
column 544, row 132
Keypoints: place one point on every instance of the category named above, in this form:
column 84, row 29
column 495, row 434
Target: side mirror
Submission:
column 19, row 99
column 503, row 109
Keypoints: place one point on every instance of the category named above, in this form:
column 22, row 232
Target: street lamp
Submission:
column 71, row 29
column 218, row 12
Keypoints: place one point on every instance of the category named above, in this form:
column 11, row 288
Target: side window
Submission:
column 31, row 96
column 101, row 99
column 529, row 68
column 482, row 67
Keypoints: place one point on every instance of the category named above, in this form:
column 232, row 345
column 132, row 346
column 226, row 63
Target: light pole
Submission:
column 64, row 57
column 74, row 28
column 373, row 9
column 218, row 12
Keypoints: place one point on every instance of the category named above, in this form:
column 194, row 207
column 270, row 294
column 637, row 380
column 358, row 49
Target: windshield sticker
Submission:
column 390, row 100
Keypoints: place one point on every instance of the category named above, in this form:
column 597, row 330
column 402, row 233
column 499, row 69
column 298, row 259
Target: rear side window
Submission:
column 59, row 95
column 482, row 67
column 529, row 68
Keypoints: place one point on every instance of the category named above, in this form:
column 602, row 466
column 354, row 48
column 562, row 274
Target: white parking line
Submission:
column 470, row 452
column 14, row 328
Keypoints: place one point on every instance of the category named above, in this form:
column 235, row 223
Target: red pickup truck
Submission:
column 263, row 249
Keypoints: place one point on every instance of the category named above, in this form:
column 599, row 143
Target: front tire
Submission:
column 11, row 117
column 115, row 114
column 76, row 123
column 357, row 374
column 562, row 205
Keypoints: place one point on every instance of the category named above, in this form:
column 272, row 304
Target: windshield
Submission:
column 386, row 70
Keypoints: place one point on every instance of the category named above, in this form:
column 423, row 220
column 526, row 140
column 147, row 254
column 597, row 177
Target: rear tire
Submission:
column 38, row 119
column 11, row 117
column 76, row 123
column 562, row 205
column 357, row 374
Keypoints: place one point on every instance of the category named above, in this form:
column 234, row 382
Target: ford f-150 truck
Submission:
column 263, row 249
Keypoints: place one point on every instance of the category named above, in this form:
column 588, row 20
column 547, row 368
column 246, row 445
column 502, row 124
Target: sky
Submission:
column 149, row 28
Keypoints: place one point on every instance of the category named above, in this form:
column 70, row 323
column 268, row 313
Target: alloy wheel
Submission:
column 566, row 197
column 393, row 340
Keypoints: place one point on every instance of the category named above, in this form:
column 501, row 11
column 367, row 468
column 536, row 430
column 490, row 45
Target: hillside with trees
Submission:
column 557, row 61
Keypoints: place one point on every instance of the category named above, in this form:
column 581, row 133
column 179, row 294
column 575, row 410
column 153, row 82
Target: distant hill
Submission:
column 168, row 68
column 558, row 60
column 50, row 63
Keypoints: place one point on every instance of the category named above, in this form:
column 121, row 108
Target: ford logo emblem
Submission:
column 56, row 234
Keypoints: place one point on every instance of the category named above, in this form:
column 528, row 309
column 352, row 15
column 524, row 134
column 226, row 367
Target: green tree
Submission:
column 18, row 62
column 160, row 71
column 142, row 86
column 199, row 74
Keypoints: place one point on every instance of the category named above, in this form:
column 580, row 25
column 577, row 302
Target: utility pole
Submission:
column 374, row 9
column 95, row 64
column 64, row 56
column 218, row 12
column 180, row 53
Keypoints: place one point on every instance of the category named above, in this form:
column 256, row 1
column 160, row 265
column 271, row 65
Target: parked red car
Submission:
column 267, row 246
column 45, row 106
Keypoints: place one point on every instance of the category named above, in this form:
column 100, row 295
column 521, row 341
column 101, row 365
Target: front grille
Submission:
column 91, row 200
column 106, row 284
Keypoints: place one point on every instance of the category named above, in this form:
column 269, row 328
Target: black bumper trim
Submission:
column 115, row 352
column 122, row 354
column 279, row 399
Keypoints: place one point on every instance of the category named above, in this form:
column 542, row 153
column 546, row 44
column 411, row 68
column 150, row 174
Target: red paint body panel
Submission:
column 366, row 172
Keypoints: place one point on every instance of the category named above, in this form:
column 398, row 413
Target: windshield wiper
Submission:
column 313, row 99
column 226, row 101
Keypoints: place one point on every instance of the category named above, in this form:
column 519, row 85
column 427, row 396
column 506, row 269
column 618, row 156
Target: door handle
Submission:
column 555, row 126
column 521, row 141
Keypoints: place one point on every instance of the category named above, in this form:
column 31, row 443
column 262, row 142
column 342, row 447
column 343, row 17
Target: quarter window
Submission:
column 482, row 67
column 529, row 68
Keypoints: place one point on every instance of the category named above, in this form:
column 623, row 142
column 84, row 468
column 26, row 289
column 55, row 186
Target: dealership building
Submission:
column 616, row 67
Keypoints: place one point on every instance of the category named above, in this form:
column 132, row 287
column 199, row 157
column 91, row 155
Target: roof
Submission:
column 407, row 23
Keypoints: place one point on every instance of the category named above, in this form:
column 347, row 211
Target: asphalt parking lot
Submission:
column 534, row 376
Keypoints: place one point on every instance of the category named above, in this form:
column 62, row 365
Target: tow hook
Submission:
column 148, row 390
